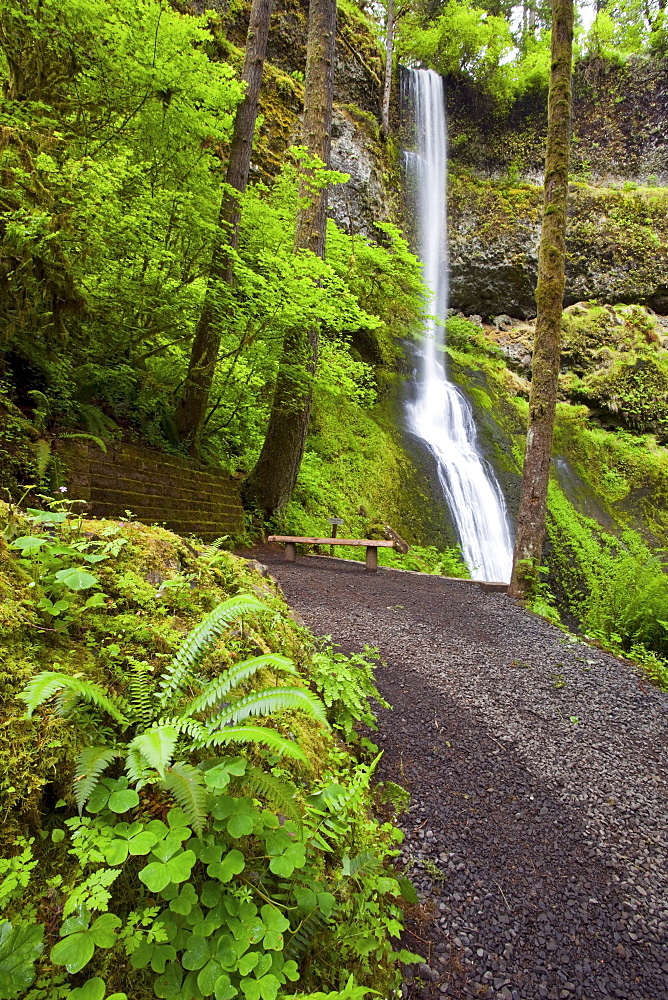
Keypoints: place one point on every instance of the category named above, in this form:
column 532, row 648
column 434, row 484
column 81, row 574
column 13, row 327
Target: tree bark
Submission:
column 194, row 400
column 387, row 88
column 273, row 479
column 549, row 300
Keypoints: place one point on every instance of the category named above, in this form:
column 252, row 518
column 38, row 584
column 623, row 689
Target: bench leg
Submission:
column 290, row 552
column 371, row 558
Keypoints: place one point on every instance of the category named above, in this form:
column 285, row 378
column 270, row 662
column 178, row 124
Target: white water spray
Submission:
column 440, row 414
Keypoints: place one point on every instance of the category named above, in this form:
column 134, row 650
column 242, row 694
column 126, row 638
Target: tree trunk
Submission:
column 549, row 301
column 204, row 354
column 273, row 479
column 387, row 89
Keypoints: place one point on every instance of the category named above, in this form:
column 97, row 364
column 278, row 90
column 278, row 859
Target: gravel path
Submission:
column 537, row 833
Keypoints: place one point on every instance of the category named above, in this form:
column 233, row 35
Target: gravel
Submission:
column 536, row 834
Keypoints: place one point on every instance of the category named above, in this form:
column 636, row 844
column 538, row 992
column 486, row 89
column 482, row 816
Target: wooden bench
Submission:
column 372, row 546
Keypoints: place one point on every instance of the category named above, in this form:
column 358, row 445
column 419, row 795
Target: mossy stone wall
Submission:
column 156, row 488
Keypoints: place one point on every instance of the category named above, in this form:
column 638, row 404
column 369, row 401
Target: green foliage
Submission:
column 346, row 684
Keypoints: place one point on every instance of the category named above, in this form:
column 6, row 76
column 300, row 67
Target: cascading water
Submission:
column 440, row 414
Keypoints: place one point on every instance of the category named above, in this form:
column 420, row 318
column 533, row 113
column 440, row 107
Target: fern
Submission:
column 255, row 734
column 276, row 792
column 198, row 643
column 48, row 683
column 42, row 457
column 186, row 784
column 91, row 763
column 216, row 690
column 156, row 746
column 141, row 705
column 135, row 768
column 186, row 727
column 302, row 937
column 268, row 702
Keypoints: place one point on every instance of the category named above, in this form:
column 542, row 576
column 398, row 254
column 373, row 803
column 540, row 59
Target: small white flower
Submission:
column 62, row 489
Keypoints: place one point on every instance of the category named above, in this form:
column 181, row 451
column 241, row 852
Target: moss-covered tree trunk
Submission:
column 194, row 400
column 387, row 86
column 273, row 479
column 549, row 301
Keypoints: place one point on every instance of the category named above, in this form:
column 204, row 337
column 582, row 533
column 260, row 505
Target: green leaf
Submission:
column 186, row 783
column 20, row 947
column 223, row 989
column 293, row 857
column 27, row 544
column 57, row 835
column 168, row 985
column 121, row 801
column 255, row 734
column 116, row 852
column 91, row 762
column 208, row 977
column 94, row 989
column 157, row 746
column 142, row 843
column 74, row 951
column 265, row 988
column 155, row 876
column 197, row 954
column 181, row 866
column 75, row 578
column 103, row 930
column 218, row 778
column 232, row 864
column 408, row 890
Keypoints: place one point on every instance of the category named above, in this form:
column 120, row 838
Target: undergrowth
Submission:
column 183, row 816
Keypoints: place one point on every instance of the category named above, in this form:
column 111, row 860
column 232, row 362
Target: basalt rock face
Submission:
column 619, row 131
column 617, row 246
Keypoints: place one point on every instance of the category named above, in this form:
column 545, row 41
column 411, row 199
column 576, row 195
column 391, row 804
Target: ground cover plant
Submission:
column 184, row 817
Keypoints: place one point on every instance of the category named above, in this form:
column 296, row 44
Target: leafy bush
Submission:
column 173, row 868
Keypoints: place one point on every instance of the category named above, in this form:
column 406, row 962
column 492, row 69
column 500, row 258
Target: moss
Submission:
column 36, row 756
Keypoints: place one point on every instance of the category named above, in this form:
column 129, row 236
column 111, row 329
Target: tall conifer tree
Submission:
column 204, row 354
column 549, row 301
column 273, row 479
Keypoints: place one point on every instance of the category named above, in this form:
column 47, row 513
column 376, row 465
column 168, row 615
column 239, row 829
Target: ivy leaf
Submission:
column 265, row 988
column 232, row 864
column 103, row 931
column 74, row 952
column 155, row 876
column 208, row 977
column 197, row 954
column 75, row 579
column 94, row 989
column 240, row 813
column 168, row 985
column 223, row 990
column 218, row 778
column 293, row 857
column 19, row 949
column 121, row 801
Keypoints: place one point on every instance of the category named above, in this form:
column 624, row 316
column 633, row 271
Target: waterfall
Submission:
column 440, row 414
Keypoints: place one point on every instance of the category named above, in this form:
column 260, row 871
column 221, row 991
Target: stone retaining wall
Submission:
column 156, row 488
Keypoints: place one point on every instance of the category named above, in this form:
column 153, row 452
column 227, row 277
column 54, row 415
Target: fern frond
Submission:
column 43, row 456
column 86, row 437
column 141, row 696
column 48, row 682
column 198, row 643
column 185, row 727
column 136, row 769
column 186, row 784
column 156, row 746
column 91, row 763
column 255, row 734
column 300, row 941
column 216, row 689
column 276, row 792
column 268, row 702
